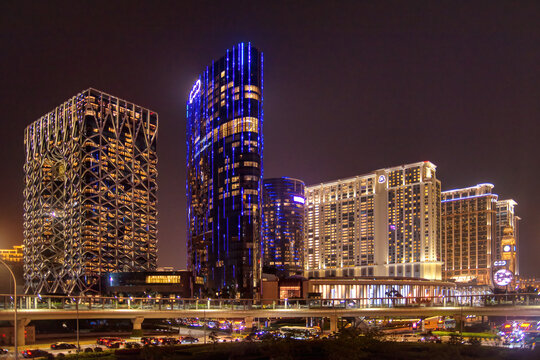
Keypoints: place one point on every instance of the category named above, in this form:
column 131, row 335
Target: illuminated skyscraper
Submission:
column 385, row 223
column 468, row 233
column 90, row 193
column 283, row 226
column 506, row 217
column 224, row 173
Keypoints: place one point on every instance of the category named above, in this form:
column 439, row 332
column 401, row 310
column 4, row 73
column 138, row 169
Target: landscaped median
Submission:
column 467, row 334
column 340, row 348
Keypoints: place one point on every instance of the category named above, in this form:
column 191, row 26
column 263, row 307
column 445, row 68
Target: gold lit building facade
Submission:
column 507, row 218
column 385, row 223
column 468, row 233
column 90, row 193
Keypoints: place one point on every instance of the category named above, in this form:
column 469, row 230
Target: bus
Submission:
column 298, row 332
column 439, row 323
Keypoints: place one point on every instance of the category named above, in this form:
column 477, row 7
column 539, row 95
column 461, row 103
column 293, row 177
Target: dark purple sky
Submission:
column 350, row 87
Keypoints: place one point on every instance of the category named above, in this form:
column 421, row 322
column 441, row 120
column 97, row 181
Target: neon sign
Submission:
column 503, row 277
column 195, row 90
column 382, row 179
column 299, row 199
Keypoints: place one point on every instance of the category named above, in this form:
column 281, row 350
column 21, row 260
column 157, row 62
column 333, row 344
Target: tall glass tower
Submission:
column 224, row 171
column 90, row 193
column 283, row 226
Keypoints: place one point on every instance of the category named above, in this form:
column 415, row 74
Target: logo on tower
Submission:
column 382, row 179
column 195, row 90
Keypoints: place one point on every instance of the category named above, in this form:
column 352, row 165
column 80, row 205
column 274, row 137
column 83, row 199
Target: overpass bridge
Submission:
column 36, row 307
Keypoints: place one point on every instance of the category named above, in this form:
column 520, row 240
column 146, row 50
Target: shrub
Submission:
column 455, row 339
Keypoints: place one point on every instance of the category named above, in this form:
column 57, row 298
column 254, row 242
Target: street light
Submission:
column 15, row 309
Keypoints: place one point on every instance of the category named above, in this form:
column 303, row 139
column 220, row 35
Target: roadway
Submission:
column 302, row 312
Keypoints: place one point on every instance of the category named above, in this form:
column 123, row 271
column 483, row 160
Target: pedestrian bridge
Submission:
column 37, row 307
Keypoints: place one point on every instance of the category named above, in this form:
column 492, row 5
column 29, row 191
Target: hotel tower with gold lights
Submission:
column 384, row 223
column 224, row 174
column 468, row 233
column 90, row 193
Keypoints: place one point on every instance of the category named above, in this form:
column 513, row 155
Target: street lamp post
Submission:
column 14, row 308
column 78, row 344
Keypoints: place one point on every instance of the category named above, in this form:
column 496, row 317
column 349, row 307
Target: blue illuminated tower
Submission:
column 224, row 174
column 283, row 226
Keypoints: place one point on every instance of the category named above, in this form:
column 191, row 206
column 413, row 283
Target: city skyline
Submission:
column 453, row 107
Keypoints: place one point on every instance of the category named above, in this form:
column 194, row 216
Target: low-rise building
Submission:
column 144, row 283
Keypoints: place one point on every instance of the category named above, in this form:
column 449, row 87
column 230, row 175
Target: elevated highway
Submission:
column 30, row 307
column 63, row 314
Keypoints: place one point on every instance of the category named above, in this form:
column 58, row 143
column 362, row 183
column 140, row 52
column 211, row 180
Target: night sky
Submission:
column 350, row 87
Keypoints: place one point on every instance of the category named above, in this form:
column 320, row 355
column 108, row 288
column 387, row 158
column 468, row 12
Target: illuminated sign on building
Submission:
column 499, row 263
column 163, row 279
column 299, row 199
column 195, row 90
column 503, row 277
column 382, row 179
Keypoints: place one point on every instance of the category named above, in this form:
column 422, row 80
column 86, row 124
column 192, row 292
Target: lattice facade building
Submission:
column 90, row 193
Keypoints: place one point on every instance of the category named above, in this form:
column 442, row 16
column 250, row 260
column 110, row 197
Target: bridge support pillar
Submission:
column 21, row 338
column 333, row 323
column 137, row 324
column 248, row 320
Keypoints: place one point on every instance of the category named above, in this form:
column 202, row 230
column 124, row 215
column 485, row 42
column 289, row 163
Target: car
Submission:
column 88, row 350
column 34, row 353
column 3, row 351
column 189, row 340
column 430, row 338
column 228, row 339
column 132, row 345
column 150, row 341
column 169, row 341
column 106, row 340
column 63, row 345
column 114, row 344
column 98, row 349
column 410, row 338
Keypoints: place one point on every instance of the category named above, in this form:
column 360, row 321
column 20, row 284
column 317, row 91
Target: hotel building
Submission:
column 90, row 193
column 468, row 233
column 384, row 223
column 283, row 226
column 224, row 174
column 506, row 217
